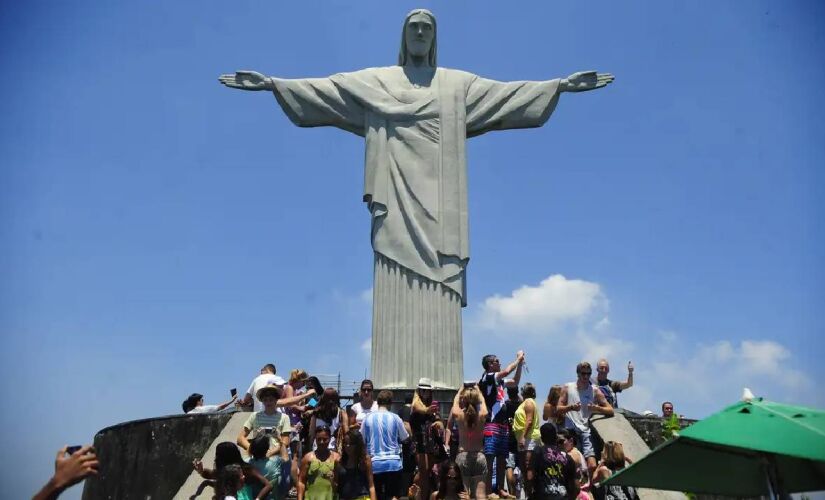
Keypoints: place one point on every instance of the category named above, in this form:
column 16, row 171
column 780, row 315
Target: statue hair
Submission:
column 431, row 56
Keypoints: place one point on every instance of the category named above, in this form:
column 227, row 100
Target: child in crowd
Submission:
column 227, row 454
column 230, row 482
column 271, row 467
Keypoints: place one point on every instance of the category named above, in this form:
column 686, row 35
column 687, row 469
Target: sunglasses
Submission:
column 585, row 373
column 366, row 389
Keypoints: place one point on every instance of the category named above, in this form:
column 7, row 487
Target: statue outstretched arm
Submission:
column 308, row 102
column 583, row 81
column 247, row 80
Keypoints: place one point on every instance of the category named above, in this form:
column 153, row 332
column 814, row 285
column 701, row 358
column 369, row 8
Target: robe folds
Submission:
column 415, row 175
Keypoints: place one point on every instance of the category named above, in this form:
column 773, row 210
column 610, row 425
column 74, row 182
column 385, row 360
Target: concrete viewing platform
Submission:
column 152, row 458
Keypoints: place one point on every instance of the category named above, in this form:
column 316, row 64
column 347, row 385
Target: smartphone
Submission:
column 71, row 450
column 268, row 430
column 233, row 392
column 469, row 383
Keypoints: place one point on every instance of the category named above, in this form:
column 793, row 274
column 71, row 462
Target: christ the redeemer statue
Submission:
column 415, row 118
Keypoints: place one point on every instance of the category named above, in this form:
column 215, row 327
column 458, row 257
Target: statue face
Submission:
column 418, row 35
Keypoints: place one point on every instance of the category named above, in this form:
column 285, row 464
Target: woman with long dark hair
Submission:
column 329, row 414
column 550, row 414
column 355, row 480
column 450, row 483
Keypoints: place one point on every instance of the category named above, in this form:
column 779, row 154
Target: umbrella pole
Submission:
column 772, row 477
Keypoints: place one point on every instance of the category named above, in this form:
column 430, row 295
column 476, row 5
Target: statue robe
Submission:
column 415, row 186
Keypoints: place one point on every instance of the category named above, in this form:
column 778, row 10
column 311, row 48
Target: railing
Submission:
column 346, row 388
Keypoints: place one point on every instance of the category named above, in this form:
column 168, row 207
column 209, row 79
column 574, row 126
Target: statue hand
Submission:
column 585, row 80
column 246, row 80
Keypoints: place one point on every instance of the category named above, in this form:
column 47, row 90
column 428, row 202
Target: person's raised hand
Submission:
column 76, row 467
column 630, row 367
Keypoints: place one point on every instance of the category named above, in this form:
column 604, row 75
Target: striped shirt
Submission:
column 383, row 433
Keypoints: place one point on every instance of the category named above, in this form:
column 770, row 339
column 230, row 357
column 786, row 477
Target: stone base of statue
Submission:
column 416, row 330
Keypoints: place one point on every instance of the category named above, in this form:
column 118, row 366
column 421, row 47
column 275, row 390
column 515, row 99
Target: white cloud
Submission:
column 763, row 356
column 705, row 377
column 555, row 303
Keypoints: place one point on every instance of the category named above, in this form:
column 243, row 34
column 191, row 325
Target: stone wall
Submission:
column 150, row 459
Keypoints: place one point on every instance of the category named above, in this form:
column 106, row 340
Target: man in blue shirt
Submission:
column 383, row 434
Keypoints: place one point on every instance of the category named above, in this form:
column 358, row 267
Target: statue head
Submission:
column 418, row 37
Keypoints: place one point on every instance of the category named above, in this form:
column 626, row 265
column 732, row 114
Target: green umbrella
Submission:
column 744, row 450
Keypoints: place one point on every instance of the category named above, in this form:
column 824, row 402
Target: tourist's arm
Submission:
column 343, row 429
column 280, row 447
column 302, row 476
column 68, row 471
column 629, row 383
column 295, row 399
column 563, row 407
column 529, row 415
column 256, row 474
column 601, row 405
column 203, row 471
column 311, row 432
column 336, row 460
column 370, row 481
column 573, row 486
column 515, row 365
column 547, row 411
column 404, row 430
column 224, row 405
column 243, row 440
column 482, row 409
column 418, row 405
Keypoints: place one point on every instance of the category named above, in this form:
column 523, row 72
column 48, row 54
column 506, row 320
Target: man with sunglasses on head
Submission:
column 579, row 400
column 367, row 404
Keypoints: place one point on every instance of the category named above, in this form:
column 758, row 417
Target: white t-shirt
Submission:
column 259, row 382
column 211, row 409
column 361, row 412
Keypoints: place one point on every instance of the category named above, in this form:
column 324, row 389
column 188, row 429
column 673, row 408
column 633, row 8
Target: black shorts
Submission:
column 388, row 485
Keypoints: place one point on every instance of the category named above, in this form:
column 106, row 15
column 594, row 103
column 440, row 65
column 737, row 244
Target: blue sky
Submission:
column 158, row 235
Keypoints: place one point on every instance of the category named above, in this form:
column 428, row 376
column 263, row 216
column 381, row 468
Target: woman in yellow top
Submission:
column 526, row 423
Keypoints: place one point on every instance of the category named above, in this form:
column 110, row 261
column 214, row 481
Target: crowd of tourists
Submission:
column 496, row 441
